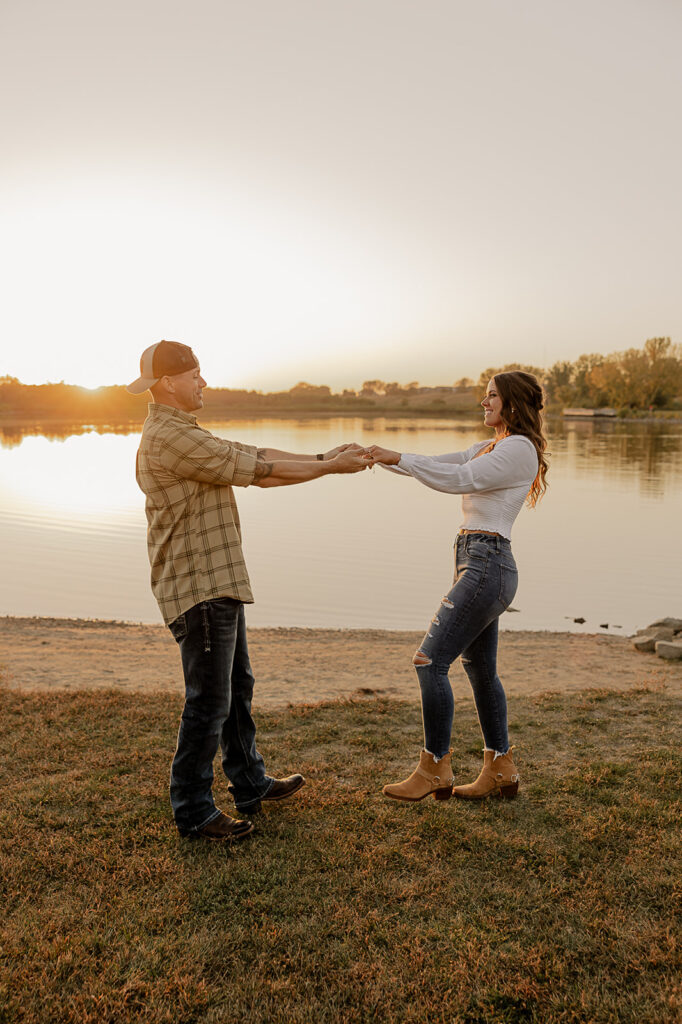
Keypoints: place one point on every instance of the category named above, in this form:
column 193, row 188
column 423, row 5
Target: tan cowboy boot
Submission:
column 430, row 777
column 498, row 778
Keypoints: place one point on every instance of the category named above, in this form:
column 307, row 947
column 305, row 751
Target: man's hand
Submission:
column 382, row 455
column 351, row 459
column 342, row 448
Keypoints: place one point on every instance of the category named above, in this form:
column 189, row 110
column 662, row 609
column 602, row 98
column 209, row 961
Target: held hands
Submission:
column 353, row 458
column 349, row 458
column 333, row 452
column 384, row 456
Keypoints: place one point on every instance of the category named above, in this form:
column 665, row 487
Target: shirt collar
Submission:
column 157, row 409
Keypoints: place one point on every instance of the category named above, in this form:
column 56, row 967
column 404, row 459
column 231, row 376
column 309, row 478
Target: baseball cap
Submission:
column 164, row 359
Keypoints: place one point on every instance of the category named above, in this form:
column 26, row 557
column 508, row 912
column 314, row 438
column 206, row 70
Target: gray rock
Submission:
column 647, row 641
column 671, row 650
column 666, row 624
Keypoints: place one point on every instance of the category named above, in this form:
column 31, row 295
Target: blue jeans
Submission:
column 218, row 691
column 466, row 624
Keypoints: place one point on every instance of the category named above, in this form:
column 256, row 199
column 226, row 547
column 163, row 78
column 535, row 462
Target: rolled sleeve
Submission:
column 196, row 454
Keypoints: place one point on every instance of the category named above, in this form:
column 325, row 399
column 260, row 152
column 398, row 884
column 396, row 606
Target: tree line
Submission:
column 636, row 379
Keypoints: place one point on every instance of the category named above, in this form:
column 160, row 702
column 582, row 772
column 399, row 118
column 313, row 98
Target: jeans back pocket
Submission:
column 509, row 581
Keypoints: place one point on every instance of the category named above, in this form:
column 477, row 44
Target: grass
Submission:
column 342, row 906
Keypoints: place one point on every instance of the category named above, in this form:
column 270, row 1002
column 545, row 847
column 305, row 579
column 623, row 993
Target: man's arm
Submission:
column 192, row 453
column 284, row 472
column 274, row 454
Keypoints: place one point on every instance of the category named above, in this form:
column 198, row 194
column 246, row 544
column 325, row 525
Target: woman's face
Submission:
column 492, row 405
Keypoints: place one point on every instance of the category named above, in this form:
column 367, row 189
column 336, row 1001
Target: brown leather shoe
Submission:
column 281, row 789
column 222, row 829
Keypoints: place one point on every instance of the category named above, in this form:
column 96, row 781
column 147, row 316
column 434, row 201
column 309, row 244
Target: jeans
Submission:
column 466, row 624
column 218, row 691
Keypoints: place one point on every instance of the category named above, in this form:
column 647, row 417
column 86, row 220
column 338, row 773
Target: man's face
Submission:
column 187, row 388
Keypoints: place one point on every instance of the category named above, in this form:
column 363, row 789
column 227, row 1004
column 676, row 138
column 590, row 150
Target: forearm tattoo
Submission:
column 263, row 469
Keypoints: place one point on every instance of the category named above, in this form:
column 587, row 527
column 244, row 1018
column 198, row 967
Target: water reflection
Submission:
column 650, row 451
column 606, row 448
column 372, row 550
column 12, row 434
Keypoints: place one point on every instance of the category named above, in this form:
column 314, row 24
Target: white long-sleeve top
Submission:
column 493, row 486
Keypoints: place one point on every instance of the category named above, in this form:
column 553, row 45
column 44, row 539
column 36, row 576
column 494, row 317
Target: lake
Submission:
column 366, row 551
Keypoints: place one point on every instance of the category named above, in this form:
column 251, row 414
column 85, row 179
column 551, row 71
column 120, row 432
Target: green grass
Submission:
column 342, row 906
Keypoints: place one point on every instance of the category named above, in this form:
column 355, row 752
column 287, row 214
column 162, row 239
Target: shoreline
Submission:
column 245, row 415
column 298, row 665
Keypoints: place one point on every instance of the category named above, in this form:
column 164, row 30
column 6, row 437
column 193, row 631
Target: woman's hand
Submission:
column 383, row 455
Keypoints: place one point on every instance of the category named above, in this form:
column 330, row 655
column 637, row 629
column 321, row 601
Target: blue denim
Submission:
column 218, row 691
column 466, row 624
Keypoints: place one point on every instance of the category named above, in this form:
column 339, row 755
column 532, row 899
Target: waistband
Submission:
column 486, row 536
column 488, row 533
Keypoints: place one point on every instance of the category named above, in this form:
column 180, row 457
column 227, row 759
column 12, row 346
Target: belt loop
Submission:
column 207, row 629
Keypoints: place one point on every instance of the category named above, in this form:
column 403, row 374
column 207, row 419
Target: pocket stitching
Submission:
column 181, row 623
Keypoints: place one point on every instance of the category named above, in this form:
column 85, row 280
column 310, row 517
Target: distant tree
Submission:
column 638, row 378
column 491, row 371
column 558, row 383
column 373, row 387
column 303, row 389
column 664, row 377
column 464, row 382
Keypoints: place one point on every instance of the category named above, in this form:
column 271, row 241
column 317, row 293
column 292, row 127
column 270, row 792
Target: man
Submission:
column 199, row 579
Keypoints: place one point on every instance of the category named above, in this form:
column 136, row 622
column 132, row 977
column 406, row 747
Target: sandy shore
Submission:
column 305, row 665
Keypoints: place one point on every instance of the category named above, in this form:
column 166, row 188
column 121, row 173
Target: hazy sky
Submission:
column 336, row 190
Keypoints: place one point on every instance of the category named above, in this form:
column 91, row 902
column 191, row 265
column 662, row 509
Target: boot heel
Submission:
column 442, row 793
column 509, row 791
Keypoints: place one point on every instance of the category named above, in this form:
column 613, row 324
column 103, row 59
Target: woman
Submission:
column 495, row 478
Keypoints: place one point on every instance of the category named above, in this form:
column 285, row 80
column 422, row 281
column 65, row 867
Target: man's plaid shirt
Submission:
column 193, row 534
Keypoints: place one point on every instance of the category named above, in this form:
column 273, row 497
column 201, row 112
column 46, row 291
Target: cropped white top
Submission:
column 493, row 486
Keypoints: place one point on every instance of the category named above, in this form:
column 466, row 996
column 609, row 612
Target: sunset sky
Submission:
column 336, row 191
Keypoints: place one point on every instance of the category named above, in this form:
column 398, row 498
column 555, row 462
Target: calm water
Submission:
column 371, row 550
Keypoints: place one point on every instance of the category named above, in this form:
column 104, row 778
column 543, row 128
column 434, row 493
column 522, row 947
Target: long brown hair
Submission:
column 522, row 402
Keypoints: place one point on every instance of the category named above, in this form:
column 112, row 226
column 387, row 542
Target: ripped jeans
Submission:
column 217, row 713
column 466, row 624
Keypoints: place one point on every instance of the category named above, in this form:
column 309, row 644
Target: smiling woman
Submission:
column 494, row 479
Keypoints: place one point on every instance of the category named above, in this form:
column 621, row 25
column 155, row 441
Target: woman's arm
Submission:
column 512, row 463
column 388, row 459
column 459, row 458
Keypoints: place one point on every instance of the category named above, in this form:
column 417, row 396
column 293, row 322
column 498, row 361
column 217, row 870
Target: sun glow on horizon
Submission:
column 262, row 293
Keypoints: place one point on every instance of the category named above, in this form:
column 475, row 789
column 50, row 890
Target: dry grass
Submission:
column 342, row 907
